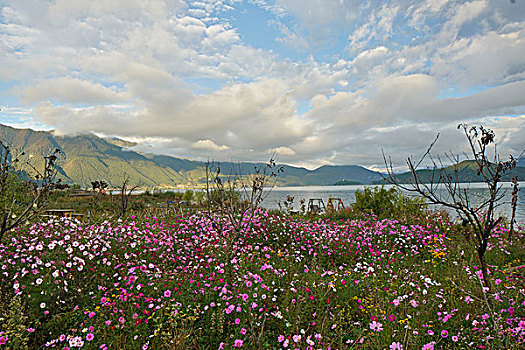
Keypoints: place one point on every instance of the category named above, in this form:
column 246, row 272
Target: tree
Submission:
column 480, row 218
column 23, row 196
column 237, row 196
column 99, row 187
column 125, row 193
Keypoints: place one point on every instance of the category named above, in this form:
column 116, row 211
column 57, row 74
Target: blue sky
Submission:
column 315, row 81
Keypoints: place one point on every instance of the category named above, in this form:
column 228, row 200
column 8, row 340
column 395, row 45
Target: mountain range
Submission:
column 87, row 158
column 466, row 172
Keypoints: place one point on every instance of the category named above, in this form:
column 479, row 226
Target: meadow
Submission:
column 285, row 282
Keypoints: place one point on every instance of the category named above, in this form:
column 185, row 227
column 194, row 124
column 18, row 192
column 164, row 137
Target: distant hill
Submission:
column 466, row 173
column 346, row 183
column 87, row 158
column 330, row 174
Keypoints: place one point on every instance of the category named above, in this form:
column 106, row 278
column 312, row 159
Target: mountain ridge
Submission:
column 466, row 172
column 86, row 158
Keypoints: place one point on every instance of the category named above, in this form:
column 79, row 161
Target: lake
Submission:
column 477, row 193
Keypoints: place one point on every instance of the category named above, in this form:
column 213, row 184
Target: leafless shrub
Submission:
column 24, row 188
column 480, row 218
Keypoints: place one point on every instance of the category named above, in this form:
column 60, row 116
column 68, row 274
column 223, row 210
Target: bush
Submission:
column 387, row 203
column 188, row 196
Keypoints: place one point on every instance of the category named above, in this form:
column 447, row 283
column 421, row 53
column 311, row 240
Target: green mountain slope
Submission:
column 466, row 172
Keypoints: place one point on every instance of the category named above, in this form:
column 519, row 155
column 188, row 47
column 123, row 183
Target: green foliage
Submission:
column 218, row 197
column 13, row 323
column 188, row 196
column 387, row 203
column 16, row 194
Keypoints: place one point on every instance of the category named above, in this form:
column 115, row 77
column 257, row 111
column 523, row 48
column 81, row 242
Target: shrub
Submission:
column 387, row 203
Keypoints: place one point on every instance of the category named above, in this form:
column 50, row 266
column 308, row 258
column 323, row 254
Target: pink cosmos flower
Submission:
column 309, row 340
column 396, row 346
column 376, row 326
column 429, row 346
column 237, row 343
column 444, row 333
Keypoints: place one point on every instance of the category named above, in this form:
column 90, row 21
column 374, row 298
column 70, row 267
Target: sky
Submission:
column 314, row 82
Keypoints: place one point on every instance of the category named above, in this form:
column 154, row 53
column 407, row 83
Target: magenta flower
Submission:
column 444, row 333
column 429, row 346
column 238, row 343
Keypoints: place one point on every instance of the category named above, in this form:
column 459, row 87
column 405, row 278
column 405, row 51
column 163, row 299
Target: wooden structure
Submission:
column 335, row 204
column 316, row 206
column 67, row 213
column 62, row 213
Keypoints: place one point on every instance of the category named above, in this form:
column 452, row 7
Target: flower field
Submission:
column 292, row 283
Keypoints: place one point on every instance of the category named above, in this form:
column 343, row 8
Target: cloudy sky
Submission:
column 315, row 81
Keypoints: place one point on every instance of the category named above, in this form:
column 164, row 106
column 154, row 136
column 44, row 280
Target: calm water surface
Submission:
column 477, row 192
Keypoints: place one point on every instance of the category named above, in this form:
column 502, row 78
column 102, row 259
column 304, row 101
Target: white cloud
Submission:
column 463, row 14
column 209, row 145
column 489, row 59
column 71, row 90
column 289, row 36
column 283, row 151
